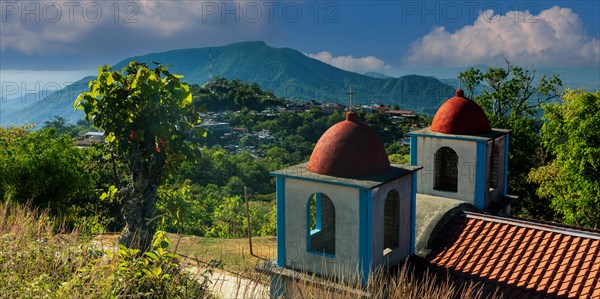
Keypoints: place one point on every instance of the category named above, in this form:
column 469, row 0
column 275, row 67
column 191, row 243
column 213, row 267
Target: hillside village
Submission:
column 238, row 139
column 217, row 125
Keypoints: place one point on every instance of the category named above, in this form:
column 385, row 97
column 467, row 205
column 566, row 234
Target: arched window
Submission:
column 494, row 167
column 320, row 224
column 446, row 170
column 391, row 221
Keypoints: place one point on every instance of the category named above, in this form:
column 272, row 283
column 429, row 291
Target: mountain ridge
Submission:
column 285, row 71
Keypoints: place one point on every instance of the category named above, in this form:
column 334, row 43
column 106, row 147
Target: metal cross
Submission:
column 350, row 93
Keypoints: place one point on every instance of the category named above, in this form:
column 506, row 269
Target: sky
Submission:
column 68, row 38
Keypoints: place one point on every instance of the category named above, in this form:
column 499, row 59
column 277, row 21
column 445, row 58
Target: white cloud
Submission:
column 100, row 26
column 349, row 63
column 555, row 37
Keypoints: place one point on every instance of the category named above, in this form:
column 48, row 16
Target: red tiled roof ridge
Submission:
column 541, row 225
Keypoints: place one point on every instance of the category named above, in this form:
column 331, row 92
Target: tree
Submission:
column 228, row 219
column 510, row 92
column 148, row 123
column 571, row 139
column 44, row 169
column 511, row 97
column 60, row 124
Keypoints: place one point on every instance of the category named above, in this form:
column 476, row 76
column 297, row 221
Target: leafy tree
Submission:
column 571, row 138
column 511, row 97
column 148, row 123
column 222, row 94
column 229, row 219
column 186, row 207
column 44, row 168
column 61, row 126
column 512, row 91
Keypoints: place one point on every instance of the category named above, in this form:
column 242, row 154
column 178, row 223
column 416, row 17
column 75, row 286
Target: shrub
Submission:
column 36, row 263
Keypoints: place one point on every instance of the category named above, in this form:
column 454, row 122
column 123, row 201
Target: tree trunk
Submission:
column 138, row 203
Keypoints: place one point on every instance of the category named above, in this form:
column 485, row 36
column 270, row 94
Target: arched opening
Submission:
column 391, row 222
column 320, row 224
column 446, row 170
column 494, row 167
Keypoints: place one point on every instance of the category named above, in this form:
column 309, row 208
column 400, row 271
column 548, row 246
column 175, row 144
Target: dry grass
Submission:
column 36, row 262
column 234, row 253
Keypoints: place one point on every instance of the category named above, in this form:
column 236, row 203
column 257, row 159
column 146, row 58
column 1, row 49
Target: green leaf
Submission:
column 110, row 137
column 152, row 255
column 187, row 100
column 78, row 101
column 110, row 80
column 157, row 271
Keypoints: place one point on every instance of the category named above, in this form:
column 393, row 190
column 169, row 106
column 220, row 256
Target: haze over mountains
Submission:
column 286, row 72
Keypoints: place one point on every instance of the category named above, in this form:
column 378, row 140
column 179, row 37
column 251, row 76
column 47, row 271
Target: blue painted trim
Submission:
column 308, row 231
column 280, row 198
column 413, row 213
column 506, row 166
column 479, row 199
column 278, row 286
column 413, row 150
column 453, row 137
column 277, row 175
column 365, row 233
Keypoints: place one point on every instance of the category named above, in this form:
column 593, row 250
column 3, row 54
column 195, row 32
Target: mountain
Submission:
column 286, row 72
column 44, row 105
column 377, row 75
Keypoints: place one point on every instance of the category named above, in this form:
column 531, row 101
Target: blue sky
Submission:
column 381, row 36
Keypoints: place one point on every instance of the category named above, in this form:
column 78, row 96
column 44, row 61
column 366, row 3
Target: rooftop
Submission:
column 349, row 149
column 523, row 259
column 299, row 171
column 462, row 116
column 483, row 137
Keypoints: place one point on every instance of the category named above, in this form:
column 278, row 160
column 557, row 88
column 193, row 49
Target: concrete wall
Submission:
column 467, row 156
column 494, row 194
column 346, row 202
column 403, row 186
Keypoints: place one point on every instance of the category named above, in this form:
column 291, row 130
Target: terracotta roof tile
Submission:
column 523, row 259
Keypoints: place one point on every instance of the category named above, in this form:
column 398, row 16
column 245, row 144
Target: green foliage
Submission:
column 231, row 171
column 511, row 92
column 187, row 208
column 222, row 94
column 156, row 273
column 149, row 125
column 229, row 219
column 571, row 139
column 511, row 97
column 143, row 111
column 35, row 263
column 263, row 218
column 46, row 170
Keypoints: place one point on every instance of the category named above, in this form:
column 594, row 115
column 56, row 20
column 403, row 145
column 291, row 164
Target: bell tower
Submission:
column 462, row 156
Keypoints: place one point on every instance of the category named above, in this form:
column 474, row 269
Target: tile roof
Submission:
column 520, row 259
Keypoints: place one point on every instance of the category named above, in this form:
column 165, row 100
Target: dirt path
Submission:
column 222, row 283
column 229, row 285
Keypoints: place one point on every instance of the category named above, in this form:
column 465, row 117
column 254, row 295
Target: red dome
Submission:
column 349, row 149
column 460, row 116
